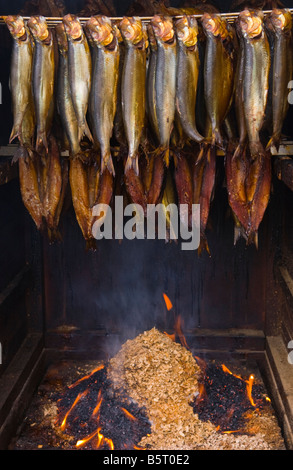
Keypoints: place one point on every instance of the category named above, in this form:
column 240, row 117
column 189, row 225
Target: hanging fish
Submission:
column 21, row 78
column 64, row 98
column 103, row 95
column 218, row 73
column 187, row 75
column 282, row 69
column 165, row 81
column 80, row 72
column 43, row 79
column 255, row 76
column 133, row 88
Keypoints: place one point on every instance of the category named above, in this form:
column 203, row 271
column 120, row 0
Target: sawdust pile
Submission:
column 163, row 376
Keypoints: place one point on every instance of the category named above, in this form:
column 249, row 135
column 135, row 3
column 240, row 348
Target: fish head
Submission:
column 38, row 27
column 187, row 30
column 61, row 37
column 117, row 31
column 15, row 25
column 101, row 31
column 214, row 25
column 251, row 23
column 163, row 28
column 73, row 27
column 151, row 37
column 281, row 19
column 131, row 29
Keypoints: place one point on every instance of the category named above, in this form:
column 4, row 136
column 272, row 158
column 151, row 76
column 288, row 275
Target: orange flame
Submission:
column 168, row 302
column 172, row 337
column 99, row 442
column 249, row 384
column 98, row 405
column 79, row 396
column 129, row 415
column 100, row 367
column 179, row 332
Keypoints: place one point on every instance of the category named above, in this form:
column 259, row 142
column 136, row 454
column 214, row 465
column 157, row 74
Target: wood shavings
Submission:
column 162, row 376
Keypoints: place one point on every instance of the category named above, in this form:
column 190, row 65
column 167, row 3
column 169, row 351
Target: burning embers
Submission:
column 226, row 399
column 154, row 394
column 92, row 416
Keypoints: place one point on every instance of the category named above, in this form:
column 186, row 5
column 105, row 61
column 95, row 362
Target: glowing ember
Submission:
column 224, row 398
column 96, row 418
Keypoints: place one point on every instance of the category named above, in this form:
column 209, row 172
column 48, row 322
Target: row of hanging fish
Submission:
column 156, row 99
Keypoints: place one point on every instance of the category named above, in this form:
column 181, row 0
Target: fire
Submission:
column 129, row 415
column 85, row 377
column 99, row 441
column 79, row 396
column 249, row 384
column 177, row 325
column 168, row 302
column 99, row 402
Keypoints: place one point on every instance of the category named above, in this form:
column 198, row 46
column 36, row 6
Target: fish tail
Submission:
column 256, row 149
column 84, row 130
column 15, row 134
column 90, row 244
column 203, row 245
column 166, row 157
column 238, row 233
column 107, row 162
column 238, row 151
column 21, row 152
column 217, row 138
column 42, row 141
column 273, row 144
column 54, row 235
column 252, row 239
column 132, row 163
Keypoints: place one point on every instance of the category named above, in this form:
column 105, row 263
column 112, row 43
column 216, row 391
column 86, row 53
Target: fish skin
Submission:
column 20, row 74
column 261, row 172
column 157, row 179
column 135, row 188
column 103, row 95
column 255, row 77
column 64, row 99
column 133, row 89
column 184, row 184
column 80, row 71
column 43, row 79
column 119, row 132
column 218, row 74
column 187, row 75
column 282, row 69
column 150, row 84
column 78, row 178
column 236, row 170
column 29, row 188
column 53, row 187
column 105, row 187
column 169, row 198
column 165, row 80
column 203, row 176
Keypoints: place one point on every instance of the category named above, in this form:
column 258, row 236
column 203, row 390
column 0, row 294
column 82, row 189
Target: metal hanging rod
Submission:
column 53, row 20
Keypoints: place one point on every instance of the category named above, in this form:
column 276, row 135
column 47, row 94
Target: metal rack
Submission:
column 53, row 20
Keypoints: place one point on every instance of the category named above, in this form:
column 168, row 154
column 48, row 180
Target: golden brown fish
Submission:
column 43, row 78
